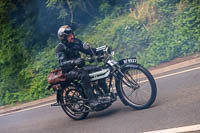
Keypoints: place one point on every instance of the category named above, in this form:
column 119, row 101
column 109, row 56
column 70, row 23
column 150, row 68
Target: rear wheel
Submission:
column 72, row 104
column 137, row 88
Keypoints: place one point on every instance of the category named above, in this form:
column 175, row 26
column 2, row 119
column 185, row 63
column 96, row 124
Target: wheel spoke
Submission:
column 131, row 93
column 137, row 96
column 74, row 108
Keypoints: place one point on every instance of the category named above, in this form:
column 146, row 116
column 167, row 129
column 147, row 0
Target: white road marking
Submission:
column 26, row 109
column 164, row 76
column 178, row 129
column 172, row 74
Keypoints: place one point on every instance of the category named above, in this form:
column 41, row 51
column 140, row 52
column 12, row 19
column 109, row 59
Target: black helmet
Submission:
column 64, row 31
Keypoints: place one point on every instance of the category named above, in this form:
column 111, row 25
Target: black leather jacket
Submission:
column 68, row 53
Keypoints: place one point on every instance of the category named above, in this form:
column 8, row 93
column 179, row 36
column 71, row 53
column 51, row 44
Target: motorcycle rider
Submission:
column 69, row 58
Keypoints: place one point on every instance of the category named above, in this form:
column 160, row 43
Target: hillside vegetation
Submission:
column 154, row 31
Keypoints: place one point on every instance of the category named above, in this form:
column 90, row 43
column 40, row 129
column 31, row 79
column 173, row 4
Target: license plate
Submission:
column 128, row 61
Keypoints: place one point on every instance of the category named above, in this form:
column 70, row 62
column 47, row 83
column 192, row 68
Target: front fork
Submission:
column 130, row 82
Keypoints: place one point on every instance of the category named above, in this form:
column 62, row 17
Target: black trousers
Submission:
column 83, row 75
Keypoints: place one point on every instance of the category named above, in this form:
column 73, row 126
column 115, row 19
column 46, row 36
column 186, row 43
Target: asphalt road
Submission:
column 177, row 105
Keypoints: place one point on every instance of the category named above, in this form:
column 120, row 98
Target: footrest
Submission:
column 55, row 104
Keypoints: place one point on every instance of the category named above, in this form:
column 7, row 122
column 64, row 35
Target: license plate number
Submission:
column 129, row 60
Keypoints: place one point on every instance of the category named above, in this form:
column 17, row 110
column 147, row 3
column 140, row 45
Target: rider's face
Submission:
column 70, row 38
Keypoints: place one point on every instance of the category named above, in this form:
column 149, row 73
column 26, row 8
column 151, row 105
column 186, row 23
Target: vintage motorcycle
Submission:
column 134, row 85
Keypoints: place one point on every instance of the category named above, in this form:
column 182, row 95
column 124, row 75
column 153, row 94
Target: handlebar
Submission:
column 95, row 58
column 101, row 53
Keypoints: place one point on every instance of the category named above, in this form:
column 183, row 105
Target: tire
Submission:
column 70, row 104
column 147, row 87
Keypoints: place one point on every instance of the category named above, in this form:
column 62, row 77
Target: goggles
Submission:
column 67, row 31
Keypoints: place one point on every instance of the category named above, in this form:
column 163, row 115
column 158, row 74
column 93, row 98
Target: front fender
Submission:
column 131, row 65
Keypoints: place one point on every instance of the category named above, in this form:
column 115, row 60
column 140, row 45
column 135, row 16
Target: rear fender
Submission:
column 58, row 96
column 57, row 89
column 65, row 87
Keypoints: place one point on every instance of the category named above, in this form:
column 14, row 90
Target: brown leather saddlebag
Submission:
column 56, row 76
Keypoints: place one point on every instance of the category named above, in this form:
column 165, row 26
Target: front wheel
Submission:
column 136, row 87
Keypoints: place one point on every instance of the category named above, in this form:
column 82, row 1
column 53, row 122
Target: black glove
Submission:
column 79, row 62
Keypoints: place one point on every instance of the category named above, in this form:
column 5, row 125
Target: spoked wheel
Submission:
column 137, row 88
column 72, row 104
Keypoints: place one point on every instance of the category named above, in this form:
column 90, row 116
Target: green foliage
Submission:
column 14, row 57
column 43, row 63
column 123, row 33
column 17, row 39
column 188, row 27
column 105, row 8
column 51, row 3
column 161, row 48
column 34, row 77
column 176, row 37
column 167, row 7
